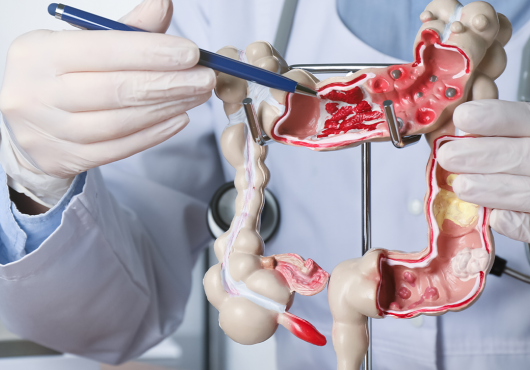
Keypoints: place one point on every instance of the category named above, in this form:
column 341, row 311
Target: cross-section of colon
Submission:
column 349, row 110
column 450, row 273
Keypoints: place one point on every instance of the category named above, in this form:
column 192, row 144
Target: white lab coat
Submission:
column 113, row 279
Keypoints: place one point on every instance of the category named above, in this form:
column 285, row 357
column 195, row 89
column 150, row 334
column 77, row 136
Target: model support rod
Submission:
column 256, row 130
column 367, row 230
column 337, row 68
column 395, row 125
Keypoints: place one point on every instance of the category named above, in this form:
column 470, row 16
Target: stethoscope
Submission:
column 221, row 209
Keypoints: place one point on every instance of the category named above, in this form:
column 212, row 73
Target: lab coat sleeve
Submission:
column 113, row 279
column 39, row 227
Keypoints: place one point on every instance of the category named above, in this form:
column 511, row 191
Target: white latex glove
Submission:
column 495, row 169
column 74, row 100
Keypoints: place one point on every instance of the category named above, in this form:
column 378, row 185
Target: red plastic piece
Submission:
column 302, row 329
column 353, row 96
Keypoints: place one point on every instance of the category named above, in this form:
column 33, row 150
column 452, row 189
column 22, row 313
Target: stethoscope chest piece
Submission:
column 221, row 211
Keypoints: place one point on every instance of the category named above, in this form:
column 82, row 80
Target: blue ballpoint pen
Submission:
column 87, row 21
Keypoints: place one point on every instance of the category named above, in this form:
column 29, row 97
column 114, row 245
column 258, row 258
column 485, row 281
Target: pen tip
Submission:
column 304, row 90
column 52, row 8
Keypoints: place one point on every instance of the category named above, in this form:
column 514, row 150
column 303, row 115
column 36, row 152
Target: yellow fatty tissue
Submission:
column 448, row 206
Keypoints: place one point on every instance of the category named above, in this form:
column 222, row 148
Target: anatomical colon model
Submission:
column 459, row 52
column 253, row 293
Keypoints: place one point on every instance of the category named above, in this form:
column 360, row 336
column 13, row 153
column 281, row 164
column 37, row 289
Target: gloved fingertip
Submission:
column 514, row 225
column 487, row 117
column 151, row 15
column 210, row 80
column 185, row 54
column 464, row 116
column 498, row 224
column 442, row 155
column 494, row 219
column 448, row 158
column 457, row 184
column 182, row 122
column 463, row 188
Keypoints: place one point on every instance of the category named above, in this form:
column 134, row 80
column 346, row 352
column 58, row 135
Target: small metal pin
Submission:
column 420, row 94
column 433, row 78
column 304, row 90
column 259, row 136
column 396, row 73
column 450, row 92
column 394, row 125
column 337, row 68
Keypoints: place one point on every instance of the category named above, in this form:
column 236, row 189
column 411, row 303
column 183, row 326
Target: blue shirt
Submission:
column 21, row 234
column 389, row 26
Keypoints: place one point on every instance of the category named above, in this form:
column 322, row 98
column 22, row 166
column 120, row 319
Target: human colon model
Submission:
column 459, row 52
column 253, row 293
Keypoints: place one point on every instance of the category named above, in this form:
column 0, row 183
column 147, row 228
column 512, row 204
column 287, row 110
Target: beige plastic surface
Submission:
column 256, row 278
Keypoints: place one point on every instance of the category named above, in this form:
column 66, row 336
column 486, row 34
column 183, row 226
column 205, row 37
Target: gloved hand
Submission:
column 74, row 100
column 495, row 169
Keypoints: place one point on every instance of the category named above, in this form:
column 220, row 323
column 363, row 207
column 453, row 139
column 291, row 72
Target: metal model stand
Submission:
column 394, row 126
